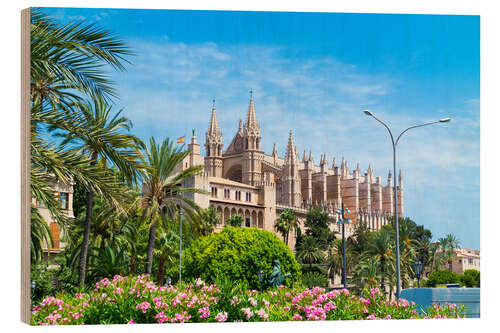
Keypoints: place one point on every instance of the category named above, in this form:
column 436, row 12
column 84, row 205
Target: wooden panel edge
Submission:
column 25, row 166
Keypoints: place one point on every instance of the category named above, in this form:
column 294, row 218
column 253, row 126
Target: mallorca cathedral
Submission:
column 244, row 180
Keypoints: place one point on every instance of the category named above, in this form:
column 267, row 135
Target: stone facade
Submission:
column 466, row 259
column 64, row 195
column 244, row 180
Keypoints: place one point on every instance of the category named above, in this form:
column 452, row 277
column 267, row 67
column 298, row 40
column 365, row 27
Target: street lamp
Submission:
column 343, row 221
column 33, row 285
column 396, row 217
column 418, row 271
column 260, row 274
column 180, row 248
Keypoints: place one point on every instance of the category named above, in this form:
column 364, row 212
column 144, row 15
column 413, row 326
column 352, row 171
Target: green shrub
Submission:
column 41, row 282
column 470, row 278
column 315, row 279
column 238, row 254
column 442, row 277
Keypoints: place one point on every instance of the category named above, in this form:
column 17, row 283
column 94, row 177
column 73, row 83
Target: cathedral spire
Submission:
column 400, row 178
column 275, row 151
column 291, row 153
column 213, row 146
column 251, row 123
column 334, row 164
column 323, row 160
column 311, row 157
column 304, row 156
column 213, row 126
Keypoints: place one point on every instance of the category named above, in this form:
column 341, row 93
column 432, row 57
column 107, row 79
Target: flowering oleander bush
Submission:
column 134, row 300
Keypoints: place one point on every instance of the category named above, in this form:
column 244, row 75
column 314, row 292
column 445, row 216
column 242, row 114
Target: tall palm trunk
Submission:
column 151, row 245
column 161, row 270
column 82, row 268
column 85, row 243
column 132, row 266
column 382, row 270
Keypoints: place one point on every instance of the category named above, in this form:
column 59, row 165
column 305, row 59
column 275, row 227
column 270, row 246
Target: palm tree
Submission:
column 436, row 257
column 235, row 220
column 367, row 273
column 285, row 223
column 381, row 248
column 334, row 258
column 40, row 235
column 167, row 250
column 68, row 63
column 208, row 220
column 104, row 138
column 163, row 194
column 107, row 261
column 309, row 251
column 448, row 245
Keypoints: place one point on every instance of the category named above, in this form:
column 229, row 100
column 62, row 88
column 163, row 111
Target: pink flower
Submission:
column 329, row 306
column 205, row 312
column 374, row 291
column 221, row 316
column 161, row 317
column 297, row 317
column 372, row 317
column 118, row 291
column 252, row 301
column 131, row 321
column 262, row 313
column 387, row 317
column 247, row 312
column 76, row 315
column 144, row 306
column 364, row 300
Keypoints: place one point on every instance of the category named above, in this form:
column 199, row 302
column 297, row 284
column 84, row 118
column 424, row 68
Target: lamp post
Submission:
column 396, row 217
column 33, row 285
column 180, row 248
column 343, row 221
column 418, row 271
column 260, row 275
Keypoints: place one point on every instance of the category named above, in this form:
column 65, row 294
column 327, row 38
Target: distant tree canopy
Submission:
column 317, row 226
column 442, row 277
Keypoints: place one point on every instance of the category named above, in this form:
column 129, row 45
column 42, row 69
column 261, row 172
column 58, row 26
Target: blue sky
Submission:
column 314, row 73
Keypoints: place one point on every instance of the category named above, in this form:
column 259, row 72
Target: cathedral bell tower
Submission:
column 252, row 155
column 213, row 146
column 291, row 193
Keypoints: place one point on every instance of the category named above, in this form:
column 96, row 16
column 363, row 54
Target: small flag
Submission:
column 180, row 140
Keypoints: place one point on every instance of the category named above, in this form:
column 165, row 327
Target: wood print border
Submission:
column 25, row 165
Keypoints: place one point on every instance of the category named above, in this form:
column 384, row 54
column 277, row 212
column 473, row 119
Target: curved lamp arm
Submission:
column 409, row 128
column 394, row 143
column 385, row 125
